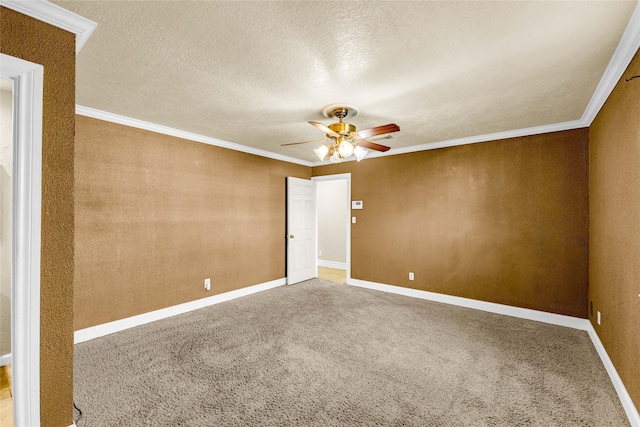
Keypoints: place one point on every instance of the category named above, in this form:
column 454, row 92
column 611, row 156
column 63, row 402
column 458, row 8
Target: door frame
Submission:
column 340, row 176
column 28, row 82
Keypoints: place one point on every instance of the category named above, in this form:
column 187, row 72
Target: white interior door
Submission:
column 301, row 230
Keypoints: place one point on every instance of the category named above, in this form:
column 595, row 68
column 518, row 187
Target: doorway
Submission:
column 6, row 184
column 26, row 198
column 333, row 195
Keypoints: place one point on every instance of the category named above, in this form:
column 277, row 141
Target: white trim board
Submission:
column 626, row 49
column 507, row 310
column 522, row 313
column 625, row 399
column 332, row 264
column 90, row 333
column 5, row 359
column 56, row 16
column 165, row 130
column 537, row 130
column 28, row 83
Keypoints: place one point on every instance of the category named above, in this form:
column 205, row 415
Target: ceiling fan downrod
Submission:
column 340, row 113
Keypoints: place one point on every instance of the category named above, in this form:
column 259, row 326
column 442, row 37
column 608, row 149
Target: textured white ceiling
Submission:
column 254, row 73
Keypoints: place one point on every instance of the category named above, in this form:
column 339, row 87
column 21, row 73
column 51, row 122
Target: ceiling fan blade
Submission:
column 324, row 129
column 304, row 142
column 373, row 146
column 379, row 130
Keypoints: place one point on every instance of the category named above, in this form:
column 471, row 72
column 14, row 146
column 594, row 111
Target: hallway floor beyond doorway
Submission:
column 332, row 274
column 6, row 399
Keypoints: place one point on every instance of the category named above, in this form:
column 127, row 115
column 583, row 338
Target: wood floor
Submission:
column 6, row 402
column 332, row 274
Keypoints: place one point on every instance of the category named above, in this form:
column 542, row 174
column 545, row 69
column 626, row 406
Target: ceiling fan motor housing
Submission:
column 341, row 128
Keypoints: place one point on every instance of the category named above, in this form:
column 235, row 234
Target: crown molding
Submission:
column 55, row 15
column 536, row 130
column 140, row 124
column 627, row 48
column 624, row 53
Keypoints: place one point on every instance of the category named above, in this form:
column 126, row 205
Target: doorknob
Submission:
column 291, row 236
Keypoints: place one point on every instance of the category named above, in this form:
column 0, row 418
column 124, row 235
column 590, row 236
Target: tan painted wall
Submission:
column 614, row 247
column 485, row 221
column 156, row 215
column 502, row 221
column 35, row 41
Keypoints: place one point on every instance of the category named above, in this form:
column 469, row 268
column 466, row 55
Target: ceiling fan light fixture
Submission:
column 345, row 149
column 322, row 152
column 345, row 139
column 360, row 153
column 335, row 158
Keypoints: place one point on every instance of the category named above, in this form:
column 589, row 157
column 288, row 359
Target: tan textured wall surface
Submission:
column 156, row 215
column 502, row 221
column 614, row 222
column 35, row 41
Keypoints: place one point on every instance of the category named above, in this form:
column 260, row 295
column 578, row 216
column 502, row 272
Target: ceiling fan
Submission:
column 345, row 140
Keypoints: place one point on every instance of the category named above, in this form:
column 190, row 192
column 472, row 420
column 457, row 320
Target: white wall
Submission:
column 331, row 197
column 6, row 170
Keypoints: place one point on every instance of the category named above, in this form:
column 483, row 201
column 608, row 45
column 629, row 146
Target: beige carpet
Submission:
column 326, row 354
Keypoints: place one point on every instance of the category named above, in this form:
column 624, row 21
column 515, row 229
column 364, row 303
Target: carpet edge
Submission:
column 101, row 330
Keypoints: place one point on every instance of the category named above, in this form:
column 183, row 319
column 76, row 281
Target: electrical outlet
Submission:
column 599, row 318
column 410, row 276
column 319, row 252
column 207, row 284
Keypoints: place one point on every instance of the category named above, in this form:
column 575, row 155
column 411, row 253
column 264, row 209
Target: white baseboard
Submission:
column 5, row 359
column 625, row 399
column 141, row 319
column 523, row 313
column 332, row 264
